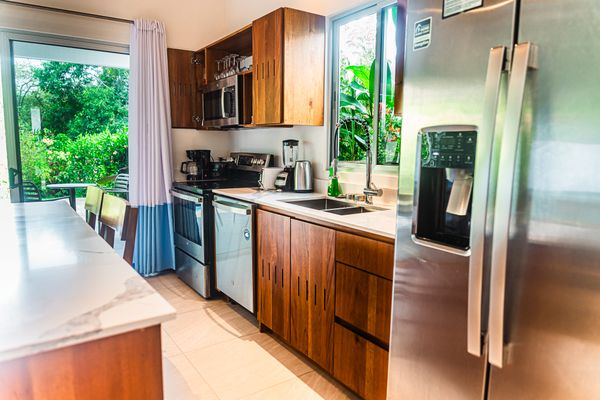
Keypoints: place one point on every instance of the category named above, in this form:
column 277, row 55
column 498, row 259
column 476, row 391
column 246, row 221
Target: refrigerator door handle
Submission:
column 523, row 60
column 485, row 141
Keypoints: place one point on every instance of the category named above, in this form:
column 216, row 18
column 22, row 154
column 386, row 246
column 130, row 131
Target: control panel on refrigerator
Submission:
column 444, row 187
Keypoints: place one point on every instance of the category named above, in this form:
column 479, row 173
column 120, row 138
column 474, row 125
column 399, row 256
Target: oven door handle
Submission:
column 232, row 209
column 187, row 197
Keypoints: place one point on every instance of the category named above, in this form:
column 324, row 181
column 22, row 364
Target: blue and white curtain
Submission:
column 150, row 166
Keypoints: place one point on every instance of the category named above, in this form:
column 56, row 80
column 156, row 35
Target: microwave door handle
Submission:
column 485, row 140
column 223, row 103
column 524, row 59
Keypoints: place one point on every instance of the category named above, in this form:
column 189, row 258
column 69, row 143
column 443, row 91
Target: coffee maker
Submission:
column 198, row 166
column 289, row 156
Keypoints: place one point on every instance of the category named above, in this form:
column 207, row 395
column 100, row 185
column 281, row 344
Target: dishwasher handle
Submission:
column 232, row 208
column 187, row 197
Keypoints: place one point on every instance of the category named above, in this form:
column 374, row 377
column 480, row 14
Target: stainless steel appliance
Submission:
column 221, row 103
column 289, row 156
column 198, row 166
column 497, row 274
column 193, row 252
column 193, row 217
column 303, row 177
column 234, row 254
column 268, row 176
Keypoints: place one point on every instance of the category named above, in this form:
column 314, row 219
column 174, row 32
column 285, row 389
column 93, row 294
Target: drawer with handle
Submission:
column 364, row 301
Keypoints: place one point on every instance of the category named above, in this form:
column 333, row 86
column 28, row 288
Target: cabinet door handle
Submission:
column 307, row 290
column 275, row 273
column 269, row 268
column 315, row 300
column 267, row 70
column 274, row 74
column 263, row 70
column 298, row 286
column 281, row 277
column 324, row 299
column 263, row 268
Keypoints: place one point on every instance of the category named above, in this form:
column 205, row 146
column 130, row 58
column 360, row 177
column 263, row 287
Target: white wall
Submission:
column 189, row 22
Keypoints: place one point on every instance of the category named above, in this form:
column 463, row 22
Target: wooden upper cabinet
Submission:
column 288, row 50
column 312, row 302
column 267, row 54
column 273, row 259
column 185, row 76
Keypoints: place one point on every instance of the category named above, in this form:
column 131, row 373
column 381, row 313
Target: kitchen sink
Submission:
column 354, row 210
column 320, row 204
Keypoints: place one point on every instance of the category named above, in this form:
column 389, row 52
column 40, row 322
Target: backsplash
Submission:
column 354, row 182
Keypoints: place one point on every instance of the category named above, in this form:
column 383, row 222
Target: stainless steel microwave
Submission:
column 221, row 103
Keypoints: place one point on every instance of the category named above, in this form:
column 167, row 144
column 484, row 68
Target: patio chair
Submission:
column 120, row 186
column 31, row 193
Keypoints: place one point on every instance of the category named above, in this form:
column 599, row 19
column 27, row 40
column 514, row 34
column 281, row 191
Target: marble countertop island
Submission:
column 61, row 284
column 382, row 223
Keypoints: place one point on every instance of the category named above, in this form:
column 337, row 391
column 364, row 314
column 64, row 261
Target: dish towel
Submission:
column 150, row 165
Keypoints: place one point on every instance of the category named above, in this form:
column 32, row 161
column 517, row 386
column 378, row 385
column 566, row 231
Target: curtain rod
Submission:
column 65, row 11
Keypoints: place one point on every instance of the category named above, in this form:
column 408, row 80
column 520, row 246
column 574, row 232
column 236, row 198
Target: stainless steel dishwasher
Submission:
column 234, row 250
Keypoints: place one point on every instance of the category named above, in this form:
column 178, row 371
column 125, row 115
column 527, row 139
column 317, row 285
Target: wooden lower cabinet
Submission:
column 338, row 315
column 364, row 301
column 273, row 269
column 360, row 364
column 312, row 303
column 124, row 366
column 370, row 255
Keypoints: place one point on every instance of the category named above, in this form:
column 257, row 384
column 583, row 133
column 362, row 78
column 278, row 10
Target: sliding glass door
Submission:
column 65, row 114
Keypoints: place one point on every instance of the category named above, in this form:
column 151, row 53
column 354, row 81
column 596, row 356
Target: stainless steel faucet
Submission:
column 370, row 188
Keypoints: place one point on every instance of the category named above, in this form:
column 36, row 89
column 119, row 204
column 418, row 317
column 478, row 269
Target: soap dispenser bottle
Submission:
column 333, row 189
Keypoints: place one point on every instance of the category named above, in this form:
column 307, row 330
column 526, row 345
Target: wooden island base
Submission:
column 125, row 366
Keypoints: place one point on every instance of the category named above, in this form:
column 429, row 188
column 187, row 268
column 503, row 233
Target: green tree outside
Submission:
column 84, row 119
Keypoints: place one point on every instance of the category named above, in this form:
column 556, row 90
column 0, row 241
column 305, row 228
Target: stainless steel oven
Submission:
column 192, row 215
column 221, row 103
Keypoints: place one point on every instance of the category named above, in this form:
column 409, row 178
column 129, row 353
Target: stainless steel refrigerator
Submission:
column 497, row 270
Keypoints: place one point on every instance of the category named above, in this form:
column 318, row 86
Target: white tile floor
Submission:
column 213, row 350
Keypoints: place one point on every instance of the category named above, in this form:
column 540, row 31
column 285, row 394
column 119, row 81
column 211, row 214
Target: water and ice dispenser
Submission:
column 444, row 187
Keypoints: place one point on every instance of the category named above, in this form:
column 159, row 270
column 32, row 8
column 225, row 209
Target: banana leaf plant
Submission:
column 357, row 88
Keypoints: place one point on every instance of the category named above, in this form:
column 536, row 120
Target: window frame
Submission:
column 335, row 22
column 8, row 90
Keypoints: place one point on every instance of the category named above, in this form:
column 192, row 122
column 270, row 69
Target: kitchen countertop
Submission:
column 61, row 284
column 382, row 223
